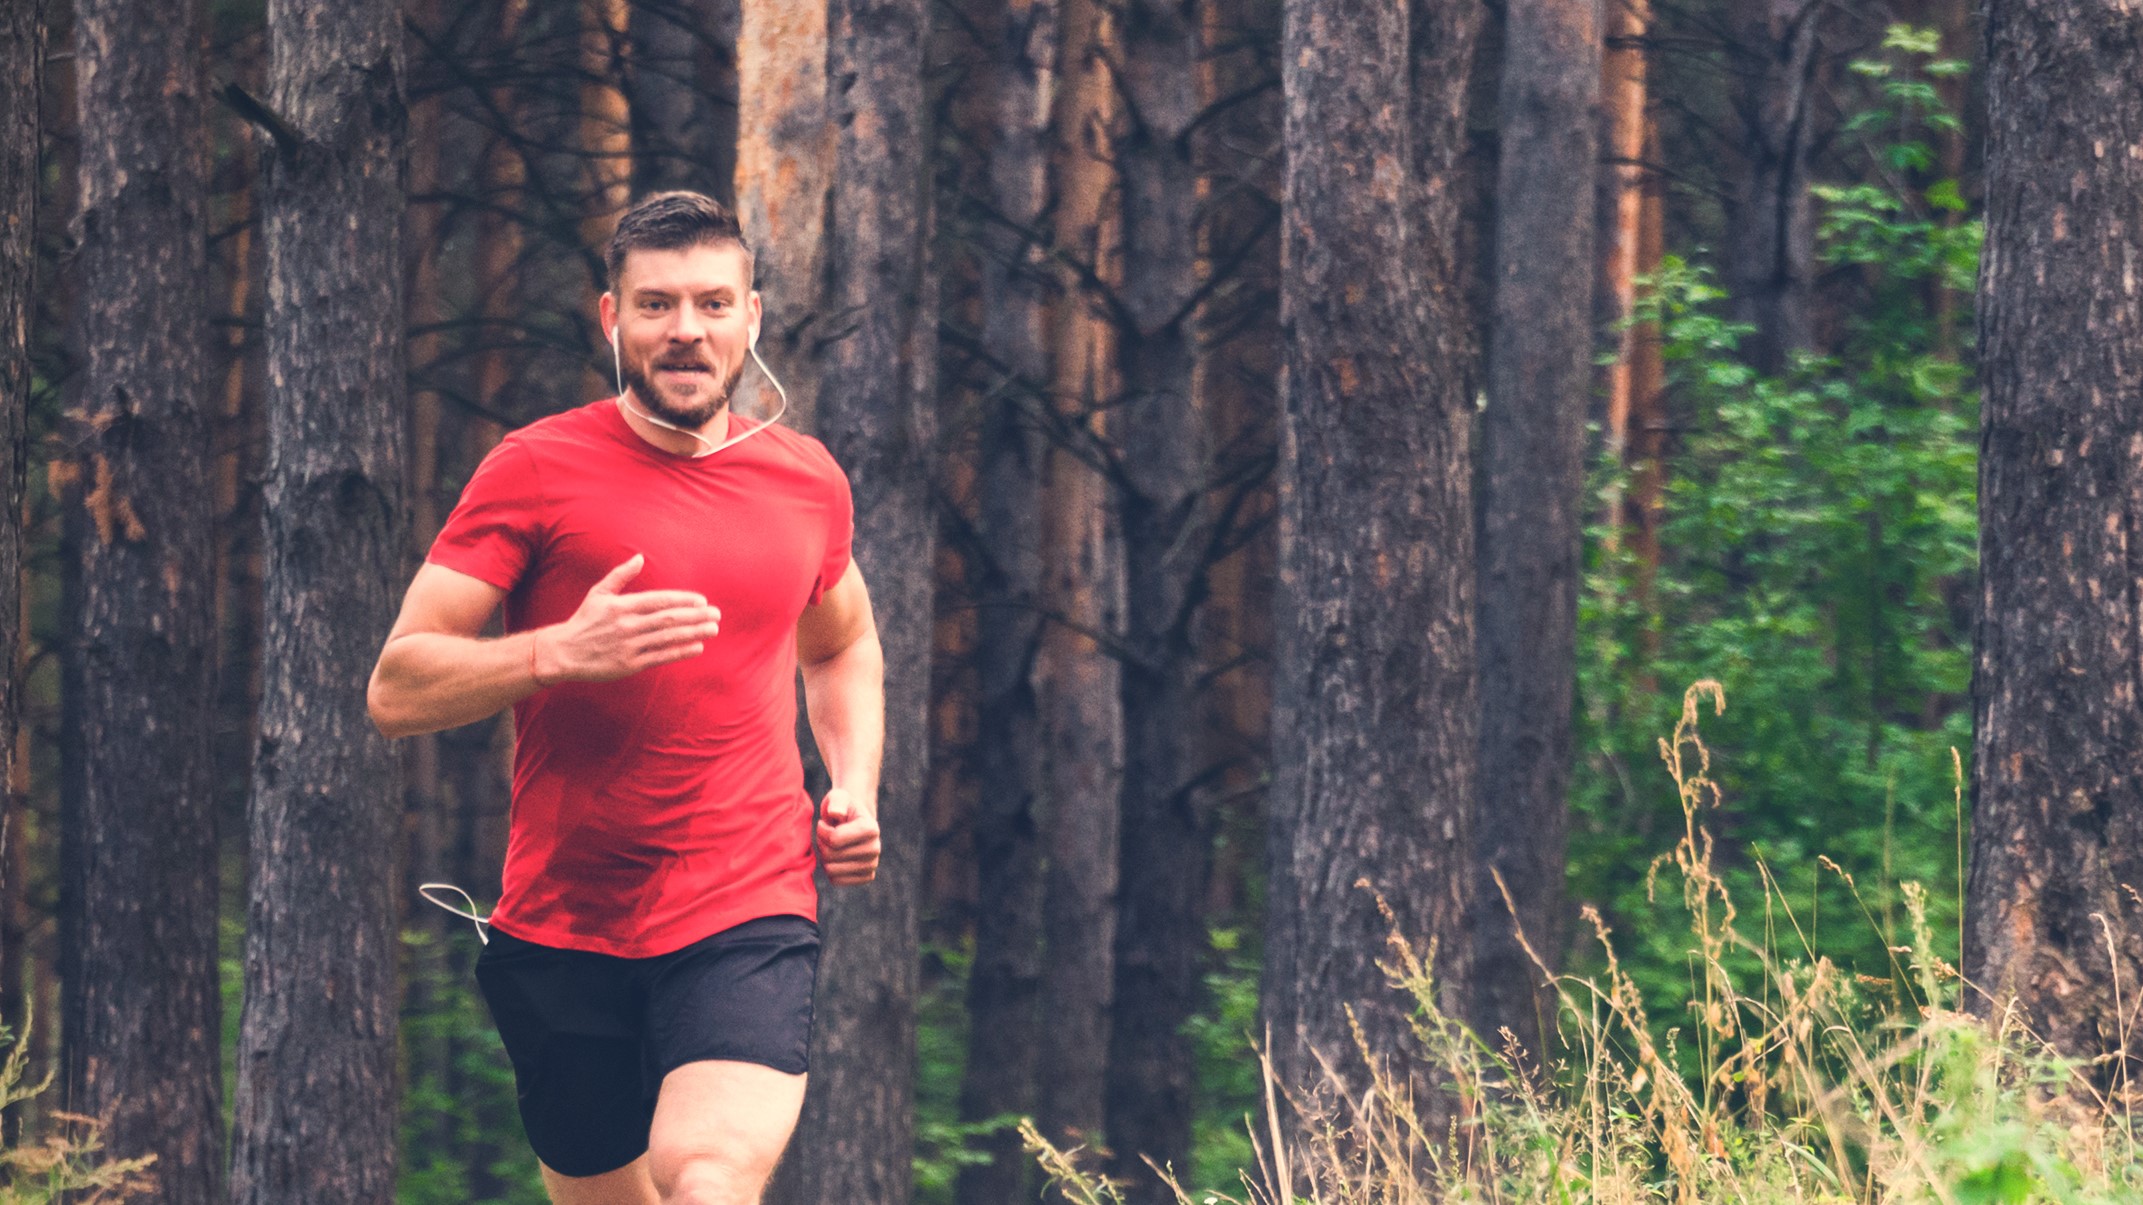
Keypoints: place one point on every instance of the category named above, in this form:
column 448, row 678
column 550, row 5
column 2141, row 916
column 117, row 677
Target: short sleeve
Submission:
column 495, row 528
column 840, row 532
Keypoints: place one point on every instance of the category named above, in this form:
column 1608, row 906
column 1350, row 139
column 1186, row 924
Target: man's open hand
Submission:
column 614, row 635
column 847, row 839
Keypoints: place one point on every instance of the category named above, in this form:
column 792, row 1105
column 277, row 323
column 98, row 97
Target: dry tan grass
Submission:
column 1814, row 1090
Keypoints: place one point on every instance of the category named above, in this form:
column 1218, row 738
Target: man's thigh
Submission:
column 720, row 1127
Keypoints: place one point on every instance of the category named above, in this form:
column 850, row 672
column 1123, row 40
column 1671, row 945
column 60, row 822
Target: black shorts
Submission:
column 591, row 1035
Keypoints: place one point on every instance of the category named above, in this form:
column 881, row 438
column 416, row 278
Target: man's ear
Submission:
column 606, row 313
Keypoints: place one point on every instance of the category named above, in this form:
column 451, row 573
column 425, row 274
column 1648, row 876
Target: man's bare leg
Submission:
column 719, row 1129
column 628, row 1185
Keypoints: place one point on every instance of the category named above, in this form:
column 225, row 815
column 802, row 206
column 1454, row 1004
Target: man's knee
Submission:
column 705, row 1176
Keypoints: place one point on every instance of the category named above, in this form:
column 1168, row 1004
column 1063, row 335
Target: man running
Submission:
column 665, row 567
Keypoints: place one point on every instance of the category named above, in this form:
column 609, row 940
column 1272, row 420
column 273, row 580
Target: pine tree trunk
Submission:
column 856, row 1140
column 1077, row 682
column 142, row 1010
column 684, row 130
column 2057, row 826
column 1005, row 982
column 605, row 120
column 1160, row 428
column 22, row 80
column 1375, row 712
column 315, row 1120
column 784, row 163
column 1771, row 225
column 1532, row 501
column 1624, row 92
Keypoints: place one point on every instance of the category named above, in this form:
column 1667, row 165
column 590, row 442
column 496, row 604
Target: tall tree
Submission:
column 1771, row 232
column 2057, row 822
column 684, row 100
column 315, row 1120
column 1375, row 713
column 141, row 1009
column 1532, row 495
column 784, row 149
column 1159, row 428
column 1018, row 71
column 1077, row 682
column 856, row 1138
column 22, row 81
column 1624, row 92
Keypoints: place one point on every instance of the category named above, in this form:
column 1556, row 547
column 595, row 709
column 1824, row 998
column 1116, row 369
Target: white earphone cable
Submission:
column 617, row 361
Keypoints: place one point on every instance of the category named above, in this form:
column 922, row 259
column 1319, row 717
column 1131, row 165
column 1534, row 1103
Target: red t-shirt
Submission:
column 664, row 807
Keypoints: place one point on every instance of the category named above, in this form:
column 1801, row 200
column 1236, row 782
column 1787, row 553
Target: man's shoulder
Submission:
column 574, row 428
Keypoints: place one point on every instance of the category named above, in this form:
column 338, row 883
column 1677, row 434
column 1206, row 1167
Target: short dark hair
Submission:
column 673, row 221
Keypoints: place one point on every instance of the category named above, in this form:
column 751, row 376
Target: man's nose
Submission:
column 690, row 326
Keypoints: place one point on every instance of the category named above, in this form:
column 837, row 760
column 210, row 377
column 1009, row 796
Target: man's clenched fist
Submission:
column 847, row 839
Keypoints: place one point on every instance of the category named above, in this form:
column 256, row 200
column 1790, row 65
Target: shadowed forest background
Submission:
column 1274, row 471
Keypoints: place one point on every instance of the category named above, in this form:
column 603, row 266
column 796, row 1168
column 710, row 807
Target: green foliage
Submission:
column 1817, row 540
column 1229, row 1087
column 461, row 1138
column 943, row 1142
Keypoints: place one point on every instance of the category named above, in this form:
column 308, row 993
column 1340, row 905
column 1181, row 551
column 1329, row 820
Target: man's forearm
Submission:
column 428, row 681
column 845, row 696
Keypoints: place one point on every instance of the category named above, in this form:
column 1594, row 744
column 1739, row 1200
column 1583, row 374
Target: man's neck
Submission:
column 675, row 442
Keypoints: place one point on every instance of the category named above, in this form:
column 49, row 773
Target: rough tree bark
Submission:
column 605, row 120
column 1077, row 682
column 1532, row 500
column 315, row 1120
column 2057, row 827
column 1771, row 224
column 1375, row 713
column 1018, row 70
column 684, row 115
column 22, row 82
column 856, row 1140
column 784, row 159
column 1159, row 428
column 141, row 1010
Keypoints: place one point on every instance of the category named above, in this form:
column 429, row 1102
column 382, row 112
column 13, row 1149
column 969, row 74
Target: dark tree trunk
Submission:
column 2057, row 826
column 316, row 1061
column 1160, row 429
column 856, row 1140
column 1375, row 713
column 684, row 126
column 141, row 1013
column 1004, row 985
column 1532, row 499
column 22, row 79
column 1771, row 226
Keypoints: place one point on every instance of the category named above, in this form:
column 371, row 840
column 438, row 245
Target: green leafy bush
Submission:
column 1817, row 542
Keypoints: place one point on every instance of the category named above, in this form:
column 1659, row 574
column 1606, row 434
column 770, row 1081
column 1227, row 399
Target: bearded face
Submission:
column 683, row 320
column 679, row 385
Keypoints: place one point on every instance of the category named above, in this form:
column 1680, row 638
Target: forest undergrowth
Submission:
column 1776, row 1077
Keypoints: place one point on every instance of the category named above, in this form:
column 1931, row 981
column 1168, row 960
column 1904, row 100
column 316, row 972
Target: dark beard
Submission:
column 651, row 400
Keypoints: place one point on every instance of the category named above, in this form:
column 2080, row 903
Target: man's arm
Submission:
column 437, row 671
column 844, row 689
